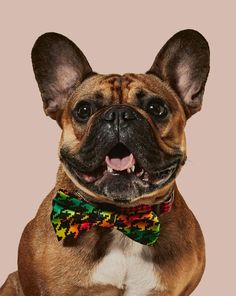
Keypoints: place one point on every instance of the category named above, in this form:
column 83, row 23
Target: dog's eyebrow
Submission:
column 99, row 95
column 143, row 95
column 140, row 94
column 96, row 98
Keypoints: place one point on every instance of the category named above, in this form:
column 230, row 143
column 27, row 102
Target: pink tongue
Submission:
column 120, row 164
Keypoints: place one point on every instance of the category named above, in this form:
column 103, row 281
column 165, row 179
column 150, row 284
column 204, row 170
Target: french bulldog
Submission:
column 122, row 146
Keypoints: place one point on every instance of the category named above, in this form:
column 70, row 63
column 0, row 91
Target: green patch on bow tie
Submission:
column 72, row 216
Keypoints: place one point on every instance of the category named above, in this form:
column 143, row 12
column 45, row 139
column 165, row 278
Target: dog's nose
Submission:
column 120, row 114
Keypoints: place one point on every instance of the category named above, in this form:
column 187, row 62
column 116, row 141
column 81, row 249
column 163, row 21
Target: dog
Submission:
column 122, row 146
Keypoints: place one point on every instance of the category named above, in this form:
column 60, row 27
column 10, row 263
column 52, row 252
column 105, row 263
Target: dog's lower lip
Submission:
column 165, row 175
column 158, row 178
column 167, row 171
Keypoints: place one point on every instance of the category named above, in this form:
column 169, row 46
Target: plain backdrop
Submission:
column 119, row 36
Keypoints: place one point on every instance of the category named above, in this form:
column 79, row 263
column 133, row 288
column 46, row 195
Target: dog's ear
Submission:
column 183, row 62
column 59, row 65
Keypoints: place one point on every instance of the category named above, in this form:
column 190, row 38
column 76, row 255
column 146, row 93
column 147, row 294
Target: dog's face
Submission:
column 123, row 136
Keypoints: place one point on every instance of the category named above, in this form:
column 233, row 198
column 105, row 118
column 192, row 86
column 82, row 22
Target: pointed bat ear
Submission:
column 183, row 62
column 59, row 66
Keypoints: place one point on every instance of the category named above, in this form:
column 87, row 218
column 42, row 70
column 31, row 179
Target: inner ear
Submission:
column 59, row 66
column 183, row 62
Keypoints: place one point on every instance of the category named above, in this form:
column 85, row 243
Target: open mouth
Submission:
column 121, row 161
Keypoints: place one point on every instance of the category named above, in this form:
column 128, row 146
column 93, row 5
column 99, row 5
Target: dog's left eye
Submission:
column 83, row 111
column 158, row 109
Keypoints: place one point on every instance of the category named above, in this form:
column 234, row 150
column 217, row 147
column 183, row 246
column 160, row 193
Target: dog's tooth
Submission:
column 140, row 173
column 145, row 177
column 129, row 170
column 109, row 169
column 133, row 168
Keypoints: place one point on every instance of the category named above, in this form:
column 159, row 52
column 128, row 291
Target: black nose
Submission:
column 120, row 114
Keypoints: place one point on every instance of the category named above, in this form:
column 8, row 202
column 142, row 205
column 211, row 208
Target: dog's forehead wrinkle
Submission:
column 121, row 89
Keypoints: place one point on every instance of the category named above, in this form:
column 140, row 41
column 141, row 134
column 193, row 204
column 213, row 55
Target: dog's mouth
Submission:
column 120, row 161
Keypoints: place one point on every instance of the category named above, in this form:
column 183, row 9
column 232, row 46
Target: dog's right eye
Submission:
column 83, row 111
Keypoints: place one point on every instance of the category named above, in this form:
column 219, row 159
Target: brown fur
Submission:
column 168, row 136
column 47, row 267
column 179, row 253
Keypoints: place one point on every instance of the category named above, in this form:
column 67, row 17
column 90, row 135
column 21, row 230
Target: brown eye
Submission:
column 158, row 109
column 83, row 111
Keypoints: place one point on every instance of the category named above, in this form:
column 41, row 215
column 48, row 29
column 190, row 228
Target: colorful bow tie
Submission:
column 72, row 216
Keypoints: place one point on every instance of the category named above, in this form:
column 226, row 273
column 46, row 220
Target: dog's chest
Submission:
column 128, row 265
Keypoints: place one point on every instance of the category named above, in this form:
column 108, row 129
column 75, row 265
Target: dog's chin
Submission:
column 127, row 188
column 123, row 187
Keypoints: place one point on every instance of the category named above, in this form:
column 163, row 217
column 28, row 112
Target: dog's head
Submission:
column 123, row 136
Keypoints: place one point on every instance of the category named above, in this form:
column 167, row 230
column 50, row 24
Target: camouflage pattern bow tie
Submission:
column 71, row 217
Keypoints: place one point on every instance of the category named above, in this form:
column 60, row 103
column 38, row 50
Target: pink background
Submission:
column 119, row 36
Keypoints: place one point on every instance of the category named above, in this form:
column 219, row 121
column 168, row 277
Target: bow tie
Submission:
column 72, row 216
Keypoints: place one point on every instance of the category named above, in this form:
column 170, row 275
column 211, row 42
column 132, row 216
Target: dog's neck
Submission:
column 63, row 181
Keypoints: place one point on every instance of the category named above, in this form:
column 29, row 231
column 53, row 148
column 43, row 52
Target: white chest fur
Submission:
column 128, row 264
